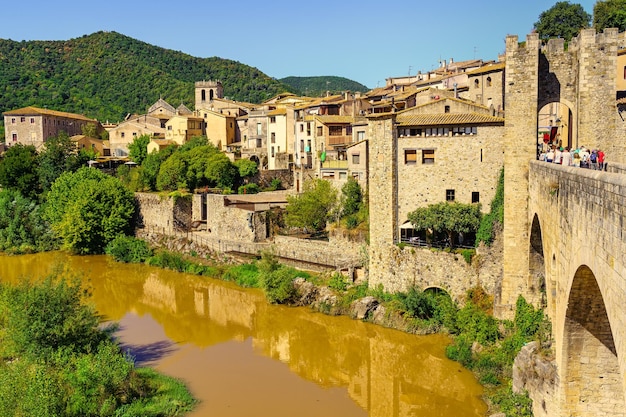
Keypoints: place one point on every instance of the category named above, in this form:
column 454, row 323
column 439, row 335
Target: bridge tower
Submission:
column 582, row 77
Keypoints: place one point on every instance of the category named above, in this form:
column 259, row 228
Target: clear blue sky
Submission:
column 366, row 41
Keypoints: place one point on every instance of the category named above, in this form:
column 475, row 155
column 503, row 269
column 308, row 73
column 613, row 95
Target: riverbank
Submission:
column 479, row 342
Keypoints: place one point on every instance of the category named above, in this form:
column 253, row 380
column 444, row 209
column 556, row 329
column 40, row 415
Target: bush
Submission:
column 128, row 249
column 338, row 282
column 251, row 188
column 278, row 285
column 245, row 275
column 417, row 304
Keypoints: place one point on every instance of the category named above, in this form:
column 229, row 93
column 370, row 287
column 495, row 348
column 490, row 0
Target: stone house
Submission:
column 99, row 146
column 124, row 133
column 220, row 128
column 181, row 129
column 33, row 126
column 486, row 87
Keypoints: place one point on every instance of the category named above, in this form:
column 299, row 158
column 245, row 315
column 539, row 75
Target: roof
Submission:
column 277, row 112
column 334, row 119
column 36, row 111
column 161, row 103
column 445, row 119
column 488, row 68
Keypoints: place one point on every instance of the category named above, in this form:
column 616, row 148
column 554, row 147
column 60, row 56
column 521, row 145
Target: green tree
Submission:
column 352, row 197
column 18, row 170
column 563, row 20
column 87, row 209
column 138, row 148
column 22, row 228
column 312, row 209
column 609, row 14
column 151, row 166
column 89, row 130
column 172, row 173
column 221, row 172
column 450, row 218
column 59, row 155
column 247, row 168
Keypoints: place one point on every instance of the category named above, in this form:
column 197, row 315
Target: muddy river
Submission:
column 241, row 356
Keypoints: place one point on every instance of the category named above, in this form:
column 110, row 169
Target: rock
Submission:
column 326, row 300
column 306, row 292
column 360, row 308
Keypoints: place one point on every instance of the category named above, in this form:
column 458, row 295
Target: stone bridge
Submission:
column 577, row 265
column 564, row 236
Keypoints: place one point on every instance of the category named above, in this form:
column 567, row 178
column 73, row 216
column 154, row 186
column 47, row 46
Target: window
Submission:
column 410, row 156
column 32, row 120
column 428, row 156
column 449, row 195
column 14, row 137
column 301, row 145
column 259, row 129
column 343, row 175
column 22, row 119
column 123, row 134
column 320, row 132
column 476, row 83
column 308, row 128
column 475, row 197
column 308, row 145
column 169, row 128
column 259, row 143
column 272, row 119
column 356, row 158
column 348, row 130
column 13, row 118
column 446, row 109
column 360, row 136
column 301, row 128
column 273, row 137
column 134, row 134
column 272, row 151
column 488, row 81
column 335, row 130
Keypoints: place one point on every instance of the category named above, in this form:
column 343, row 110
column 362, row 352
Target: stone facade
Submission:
column 164, row 213
column 33, row 126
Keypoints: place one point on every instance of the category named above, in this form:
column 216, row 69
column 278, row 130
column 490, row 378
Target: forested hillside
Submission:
column 318, row 86
column 106, row 75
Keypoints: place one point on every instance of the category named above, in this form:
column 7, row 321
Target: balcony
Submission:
column 338, row 140
column 335, row 164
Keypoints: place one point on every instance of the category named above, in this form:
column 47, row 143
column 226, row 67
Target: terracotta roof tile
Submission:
column 446, row 119
column 30, row 110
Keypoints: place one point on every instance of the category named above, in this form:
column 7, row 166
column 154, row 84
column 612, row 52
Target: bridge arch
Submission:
column 536, row 262
column 590, row 377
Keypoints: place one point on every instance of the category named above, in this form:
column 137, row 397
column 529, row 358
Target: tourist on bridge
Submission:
column 600, row 160
column 584, row 157
column 557, row 155
column 566, row 158
column 550, row 155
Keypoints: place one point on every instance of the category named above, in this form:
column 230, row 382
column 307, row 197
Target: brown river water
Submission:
column 241, row 356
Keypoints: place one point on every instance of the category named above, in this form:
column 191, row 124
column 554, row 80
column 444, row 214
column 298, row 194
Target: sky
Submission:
column 366, row 41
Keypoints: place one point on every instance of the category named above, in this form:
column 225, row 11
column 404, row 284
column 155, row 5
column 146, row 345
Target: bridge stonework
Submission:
column 564, row 237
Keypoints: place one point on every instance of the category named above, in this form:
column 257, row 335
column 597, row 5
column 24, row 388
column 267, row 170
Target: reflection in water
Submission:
column 241, row 356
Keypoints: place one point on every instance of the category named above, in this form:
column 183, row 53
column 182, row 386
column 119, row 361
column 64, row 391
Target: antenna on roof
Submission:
column 410, row 68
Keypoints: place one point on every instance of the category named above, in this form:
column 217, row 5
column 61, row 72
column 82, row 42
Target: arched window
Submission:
column 203, row 94
column 488, row 81
column 211, row 94
column 476, row 83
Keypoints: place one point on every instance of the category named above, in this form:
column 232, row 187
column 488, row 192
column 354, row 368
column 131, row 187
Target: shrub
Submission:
column 251, row 188
column 338, row 282
column 417, row 304
column 128, row 249
column 468, row 254
column 278, row 285
column 245, row 275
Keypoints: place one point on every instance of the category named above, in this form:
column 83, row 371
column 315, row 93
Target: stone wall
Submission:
column 464, row 164
column 338, row 254
column 425, row 268
column 155, row 211
column 537, row 375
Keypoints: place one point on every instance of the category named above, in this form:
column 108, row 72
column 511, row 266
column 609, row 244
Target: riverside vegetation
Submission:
column 84, row 211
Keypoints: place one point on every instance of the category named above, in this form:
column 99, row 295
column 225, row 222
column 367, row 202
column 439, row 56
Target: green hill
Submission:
column 107, row 75
column 318, row 86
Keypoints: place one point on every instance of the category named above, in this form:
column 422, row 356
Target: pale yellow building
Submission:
column 124, row 133
column 220, row 128
column 181, row 129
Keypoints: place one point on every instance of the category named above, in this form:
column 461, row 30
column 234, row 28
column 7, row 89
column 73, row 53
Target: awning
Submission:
column 407, row 225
